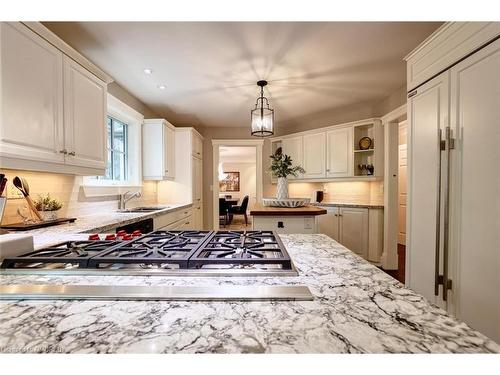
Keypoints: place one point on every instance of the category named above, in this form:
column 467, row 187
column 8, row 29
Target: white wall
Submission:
column 248, row 180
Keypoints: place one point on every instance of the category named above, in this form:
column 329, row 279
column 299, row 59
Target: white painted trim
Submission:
column 65, row 48
column 395, row 115
column 389, row 258
column 326, row 128
column 121, row 111
column 216, row 144
column 428, row 40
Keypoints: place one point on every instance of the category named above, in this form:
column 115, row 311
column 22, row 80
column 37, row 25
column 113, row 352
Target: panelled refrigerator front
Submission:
column 453, row 253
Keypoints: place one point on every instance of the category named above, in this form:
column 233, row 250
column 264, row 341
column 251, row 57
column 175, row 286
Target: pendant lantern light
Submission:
column 262, row 116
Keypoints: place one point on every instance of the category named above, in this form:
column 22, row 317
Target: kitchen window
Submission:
column 117, row 151
column 124, row 168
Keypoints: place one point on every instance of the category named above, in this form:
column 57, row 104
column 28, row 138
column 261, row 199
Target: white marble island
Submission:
column 357, row 309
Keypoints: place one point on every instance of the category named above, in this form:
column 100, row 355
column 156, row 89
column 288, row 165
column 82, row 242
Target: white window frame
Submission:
column 124, row 113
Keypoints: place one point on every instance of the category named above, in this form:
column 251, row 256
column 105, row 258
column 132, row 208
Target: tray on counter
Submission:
column 42, row 224
column 288, row 202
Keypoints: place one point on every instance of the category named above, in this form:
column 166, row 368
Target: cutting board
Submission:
column 42, row 224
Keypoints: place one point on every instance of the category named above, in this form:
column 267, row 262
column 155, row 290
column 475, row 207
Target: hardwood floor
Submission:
column 238, row 223
column 399, row 274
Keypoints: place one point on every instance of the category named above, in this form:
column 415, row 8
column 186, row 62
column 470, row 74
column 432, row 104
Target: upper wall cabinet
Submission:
column 196, row 145
column 339, row 152
column 293, row 147
column 448, row 44
column 158, row 150
column 335, row 152
column 84, row 116
column 314, row 155
column 52, row 108
column 32, row 96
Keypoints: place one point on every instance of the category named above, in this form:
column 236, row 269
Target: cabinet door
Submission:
column 197, row 181
column 197, row 144
column 427, row 113
column 168, row 151
column 314, row 155
column 198, row 217
column 339, row 153
column 354, row 230
column 329, row 224
column 31, row 96
column 85, row 131
column 475, row 111
column 293, row 148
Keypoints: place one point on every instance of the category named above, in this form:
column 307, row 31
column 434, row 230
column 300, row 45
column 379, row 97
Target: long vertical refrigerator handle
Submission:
column 449, row 145
column 437, row 278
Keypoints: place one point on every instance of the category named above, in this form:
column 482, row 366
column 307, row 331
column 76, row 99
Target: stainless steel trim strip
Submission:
column 441, row 147
column 164, row 293
column 236, row 272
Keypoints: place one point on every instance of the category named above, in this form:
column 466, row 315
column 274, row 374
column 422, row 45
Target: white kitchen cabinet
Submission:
column 31, row 96
column 187, row 186
column 358, row 229
column 329, row 224
column 158, row 150
column 52, row 108
column 293, row 147
column 339, row 152
column 197, row 145
column 85, row 132
column 197, row 193
column 314, row 157
column 354, row 230
column 452, row 224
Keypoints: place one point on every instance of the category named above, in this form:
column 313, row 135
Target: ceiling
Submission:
column 210, row 69
column 237, row 154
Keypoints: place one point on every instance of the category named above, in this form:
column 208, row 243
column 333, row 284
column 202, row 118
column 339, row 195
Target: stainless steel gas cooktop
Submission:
column 179, row 253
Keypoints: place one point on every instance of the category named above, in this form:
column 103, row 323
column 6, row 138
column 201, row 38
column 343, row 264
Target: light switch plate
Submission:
column 13, row 192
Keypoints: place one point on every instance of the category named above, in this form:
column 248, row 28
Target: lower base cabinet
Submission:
column 358, row 229
column 285, row 224
column 176, row 220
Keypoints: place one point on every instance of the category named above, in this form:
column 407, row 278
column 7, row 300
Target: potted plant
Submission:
column 281, row 167
column 47, row 207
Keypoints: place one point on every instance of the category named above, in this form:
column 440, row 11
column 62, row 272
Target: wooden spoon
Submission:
column 23, row 186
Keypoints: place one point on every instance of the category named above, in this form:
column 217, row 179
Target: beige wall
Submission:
column 68, row 189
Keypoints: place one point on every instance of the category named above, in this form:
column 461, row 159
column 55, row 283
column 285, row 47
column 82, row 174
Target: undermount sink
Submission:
column 142, row 209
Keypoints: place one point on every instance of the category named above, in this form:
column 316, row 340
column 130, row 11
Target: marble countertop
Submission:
column 357, row 309
column 101, row 222
column 347, row 204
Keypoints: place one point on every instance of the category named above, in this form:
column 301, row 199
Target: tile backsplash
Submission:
column 68, row 189
column 362, row 192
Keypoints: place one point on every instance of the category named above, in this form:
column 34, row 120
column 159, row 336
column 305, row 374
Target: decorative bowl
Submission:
column 288, row 202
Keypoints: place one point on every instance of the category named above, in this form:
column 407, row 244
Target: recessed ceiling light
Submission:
column 162, row 87
column 148, row 71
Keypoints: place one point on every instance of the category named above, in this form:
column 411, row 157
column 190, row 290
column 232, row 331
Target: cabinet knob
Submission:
column 72, row 153
column 328, row 170
column 63, row 151
column 199, row 208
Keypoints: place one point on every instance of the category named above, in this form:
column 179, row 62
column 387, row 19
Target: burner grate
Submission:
column 70, row 252
column 156, row 248
column 232, row 248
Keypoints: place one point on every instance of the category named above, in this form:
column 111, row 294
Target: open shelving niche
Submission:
column 363, row 157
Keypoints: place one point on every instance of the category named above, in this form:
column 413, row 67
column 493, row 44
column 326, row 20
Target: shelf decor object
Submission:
column 262, row 116
column 281, row 167
column 365, row 143
column 285, row 202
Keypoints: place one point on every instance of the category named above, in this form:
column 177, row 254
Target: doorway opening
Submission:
column 237, row 184
column 395, row 181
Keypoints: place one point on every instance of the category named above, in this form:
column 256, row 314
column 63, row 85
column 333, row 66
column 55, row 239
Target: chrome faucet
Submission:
column 125, row 197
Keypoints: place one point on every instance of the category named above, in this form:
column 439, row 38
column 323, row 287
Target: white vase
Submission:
column 282, row 188
column 49, row 215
